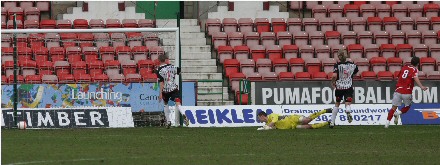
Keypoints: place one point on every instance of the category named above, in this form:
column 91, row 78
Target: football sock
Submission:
column 390, row 114
column 347, row 109
column 405, row 109
column 316, row 114
column 167, row 112
column 319, row 125
column 334, row 113
column 398, row 112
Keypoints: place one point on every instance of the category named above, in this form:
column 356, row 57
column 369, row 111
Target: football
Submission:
column 22, row 125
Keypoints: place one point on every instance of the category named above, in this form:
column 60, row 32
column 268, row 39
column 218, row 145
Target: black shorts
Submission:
column 166, row 96
column 346, row 94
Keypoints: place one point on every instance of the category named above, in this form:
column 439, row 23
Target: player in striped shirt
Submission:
column 404, row 87
column 168, row 88
column 342, row 80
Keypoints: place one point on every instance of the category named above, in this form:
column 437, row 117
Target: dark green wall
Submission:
column 164, row 9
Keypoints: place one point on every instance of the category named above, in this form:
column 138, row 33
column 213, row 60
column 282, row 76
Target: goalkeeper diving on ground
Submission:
column 276, row 121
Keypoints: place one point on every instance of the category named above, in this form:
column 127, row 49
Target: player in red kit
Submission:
column 404, row 87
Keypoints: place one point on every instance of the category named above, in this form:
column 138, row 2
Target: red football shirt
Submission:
column 405, row 83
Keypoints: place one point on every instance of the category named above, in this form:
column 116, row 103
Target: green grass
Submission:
column 342, row 145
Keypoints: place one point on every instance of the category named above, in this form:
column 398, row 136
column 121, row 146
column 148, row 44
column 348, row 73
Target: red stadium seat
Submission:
column 404, row 51
column 119, row 78
column 20, row 79
column 300, row 38
column 128, row 67
column 129, row 23
column 290, row 51
column 274, row 52
column 96, row 24
column 112, row 23
column 332, row 38
column 61, row 67
column 363, row 64
column 313, row 65
column 342, row 24
column 432, row 75
column 435, row 51
column 383, row 10
column 394, row 64
column 235, row 39
column 302, row 76
column 355, row 51
column 139, row 53
column 420, row 50
column 18, row 11
column 316, row 38
column 431, row 10
column 253, row 76
column 146, row 23
column 151, row 77
column 335, row 11
column 413, row 37
column 397, row 37
column 278, row 25
column 294, row 24
column 80, row 24
column 349, row 37
column 368, row 75
column 41, row 54
column 156, row 51
column 264, row 65
column 322, row 52
column 219, row 39
column 286, row 76
column 307, row 51
column 319, row 76
column 213, row 25
column 296, row 65
column 280, row 65
column 351, row 10
column 378, row 64
column 100, row 78
column 406, row 23
column 247, row 66
column 74, row 54
column 231, row 66
column 225, row 52
column 310, row 24
column 427, row 64
column 268, row 38
column 374, row 24
column 246, row 25
column 328, row 64
column 388, row 50
column 429, row 37
column 368, row 10
column 390, row 23
column 385, row 76
column 258, row 52
column 326, row 24
column 151, row 39
column 241, row 52
column 319, row 11
column 422, row 23
column 435, row 22
column 136, row 39
column 399, row 10
column 371, row 50
column 230, row 25
column 365, row 37
column 252, row 38
column 284, row 38
column 381, row 37
column 415, row 10
column 269, row 76
column 234, row 80
column 262, row 25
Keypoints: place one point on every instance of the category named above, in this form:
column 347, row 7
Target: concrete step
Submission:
column 209, row 84
column 216, row 97
column 212, row 89
column 206, row 48
column 203, row 76
column 198, row 62
column 182, row 35
column 173, row 22
column 185, row 41
column 194, row 56
column 198, row 69
column 214, row 103
column 190, row 29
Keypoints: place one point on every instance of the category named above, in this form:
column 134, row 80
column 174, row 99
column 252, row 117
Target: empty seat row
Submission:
column 330, row 38
column 340, row 24
column 376, row 10
column 28, row 13
column 81, row 24
column 324, row 52
column 311, row 4
column 73, row 54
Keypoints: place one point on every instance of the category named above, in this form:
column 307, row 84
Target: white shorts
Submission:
column 398, row 98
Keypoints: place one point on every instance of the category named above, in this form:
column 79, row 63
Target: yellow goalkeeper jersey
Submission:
column 283, row 122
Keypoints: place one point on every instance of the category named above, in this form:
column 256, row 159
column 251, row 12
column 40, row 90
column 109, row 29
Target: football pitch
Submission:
column 341, row 145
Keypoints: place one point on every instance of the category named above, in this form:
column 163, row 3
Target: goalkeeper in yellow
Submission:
column 276, row 121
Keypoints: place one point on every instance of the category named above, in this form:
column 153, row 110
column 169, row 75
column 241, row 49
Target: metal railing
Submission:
column 211, row 93
column 244, row 88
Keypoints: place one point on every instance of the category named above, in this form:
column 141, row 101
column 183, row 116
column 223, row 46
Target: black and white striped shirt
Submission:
column 345, row 72
column 167, row 74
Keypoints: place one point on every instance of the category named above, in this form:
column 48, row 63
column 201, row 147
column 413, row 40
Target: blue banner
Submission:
column 422, row 114
column 141, row 97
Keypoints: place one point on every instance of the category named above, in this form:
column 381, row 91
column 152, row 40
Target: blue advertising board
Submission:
column 422, row 114
column 141, row 97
